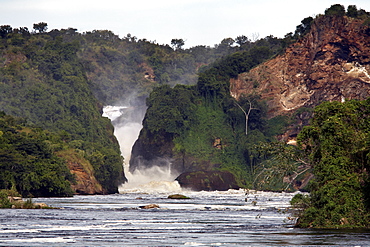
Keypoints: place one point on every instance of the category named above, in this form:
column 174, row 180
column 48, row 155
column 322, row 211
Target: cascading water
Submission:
column 127, row 125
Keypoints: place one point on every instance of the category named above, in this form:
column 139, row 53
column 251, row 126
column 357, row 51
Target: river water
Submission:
column 207, row 219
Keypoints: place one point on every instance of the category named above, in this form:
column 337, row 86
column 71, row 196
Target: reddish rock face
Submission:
column 331, row 63
column 86, row 183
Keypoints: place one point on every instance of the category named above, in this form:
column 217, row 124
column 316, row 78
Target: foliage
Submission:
column 170, row 110
column 217, row 118
column 337, row 144
column 352, row 11
column 335, row 10
column 44, row 81
column 278, row 160
column 212, row 134
column 177, row 43
column 59, row 80
column 4, row 199
column 304, row 27
column 213, row 83
column 40, row 27
column 196, row 117
column 27, row 162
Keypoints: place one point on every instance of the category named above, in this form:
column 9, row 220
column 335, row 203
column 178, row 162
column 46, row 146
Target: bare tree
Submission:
column 246, row 114
column 255, row 36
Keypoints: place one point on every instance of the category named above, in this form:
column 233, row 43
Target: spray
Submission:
column 127, row 125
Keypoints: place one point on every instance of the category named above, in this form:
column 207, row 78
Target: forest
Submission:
column 334, row 147
column 337, row 146
column 59, row 80
column 53, row 85
column 29, row 164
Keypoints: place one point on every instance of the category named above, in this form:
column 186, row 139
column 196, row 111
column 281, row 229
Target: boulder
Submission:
column 149, row 206
column 207, row 180
column 177, row 196
column 40, row 205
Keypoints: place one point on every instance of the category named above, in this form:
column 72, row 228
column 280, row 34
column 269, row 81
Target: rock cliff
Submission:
column 330, row 63
column 85, row 181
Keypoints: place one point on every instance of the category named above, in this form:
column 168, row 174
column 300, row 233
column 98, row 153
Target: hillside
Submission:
column 42, row 80
column 60, row 80
column 201, row 131
column 236, row 127
column 214, row 115
column 331, row 63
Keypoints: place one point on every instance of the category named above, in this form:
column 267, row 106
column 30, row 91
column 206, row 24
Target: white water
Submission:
column 117, row 220
column 212, row 218
column 127, row 125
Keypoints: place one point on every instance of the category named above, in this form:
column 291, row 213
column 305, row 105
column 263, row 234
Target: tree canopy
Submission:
column 338, row 147
column 28, row 163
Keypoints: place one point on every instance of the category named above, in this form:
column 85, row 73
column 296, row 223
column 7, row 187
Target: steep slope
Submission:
column 200, row 131
column 43, row 81
column 60, row 80
column 331, row 63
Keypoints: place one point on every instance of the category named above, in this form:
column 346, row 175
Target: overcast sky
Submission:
column 198, row 22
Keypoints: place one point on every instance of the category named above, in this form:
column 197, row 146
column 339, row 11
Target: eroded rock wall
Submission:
column 332, row 62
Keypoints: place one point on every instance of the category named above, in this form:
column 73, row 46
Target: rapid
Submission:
column 208, row 218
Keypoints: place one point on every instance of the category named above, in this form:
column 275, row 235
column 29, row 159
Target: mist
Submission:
column 127, row 122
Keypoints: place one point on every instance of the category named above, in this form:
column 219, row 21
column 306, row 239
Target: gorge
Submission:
column 127, row 125
column 330, row 62
column 219, row 118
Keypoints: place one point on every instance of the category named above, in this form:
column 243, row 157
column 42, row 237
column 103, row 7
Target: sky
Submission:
column 197, row 22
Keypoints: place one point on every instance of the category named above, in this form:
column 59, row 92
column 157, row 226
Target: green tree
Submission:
column 242, row 40
column 280, row 165
column 227, row 42
column 352, row 11
column 5, row 30
column 41, row 27
column 337, row 144
column 28, row 164
column 304, row 27
column 177, row 43
column 336, row 10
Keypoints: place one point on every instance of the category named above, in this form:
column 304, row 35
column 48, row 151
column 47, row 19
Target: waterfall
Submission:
column 127, row 122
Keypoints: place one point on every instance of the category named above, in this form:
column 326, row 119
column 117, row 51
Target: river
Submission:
column 207, row 219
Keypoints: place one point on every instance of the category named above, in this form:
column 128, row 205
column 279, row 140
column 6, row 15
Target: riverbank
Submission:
column 11, row 199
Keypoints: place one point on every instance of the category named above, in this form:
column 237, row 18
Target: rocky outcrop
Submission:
column 331, row 63
column 178, row 196
column 207, row 180
column 85, row 181
column 150, row 206
column 150, row 150
column 157, row 151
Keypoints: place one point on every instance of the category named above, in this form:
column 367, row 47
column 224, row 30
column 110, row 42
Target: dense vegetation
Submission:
column 27, row 161
column 43, row 80
column 193, row 117
column 337, row 145
column 59, row 80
